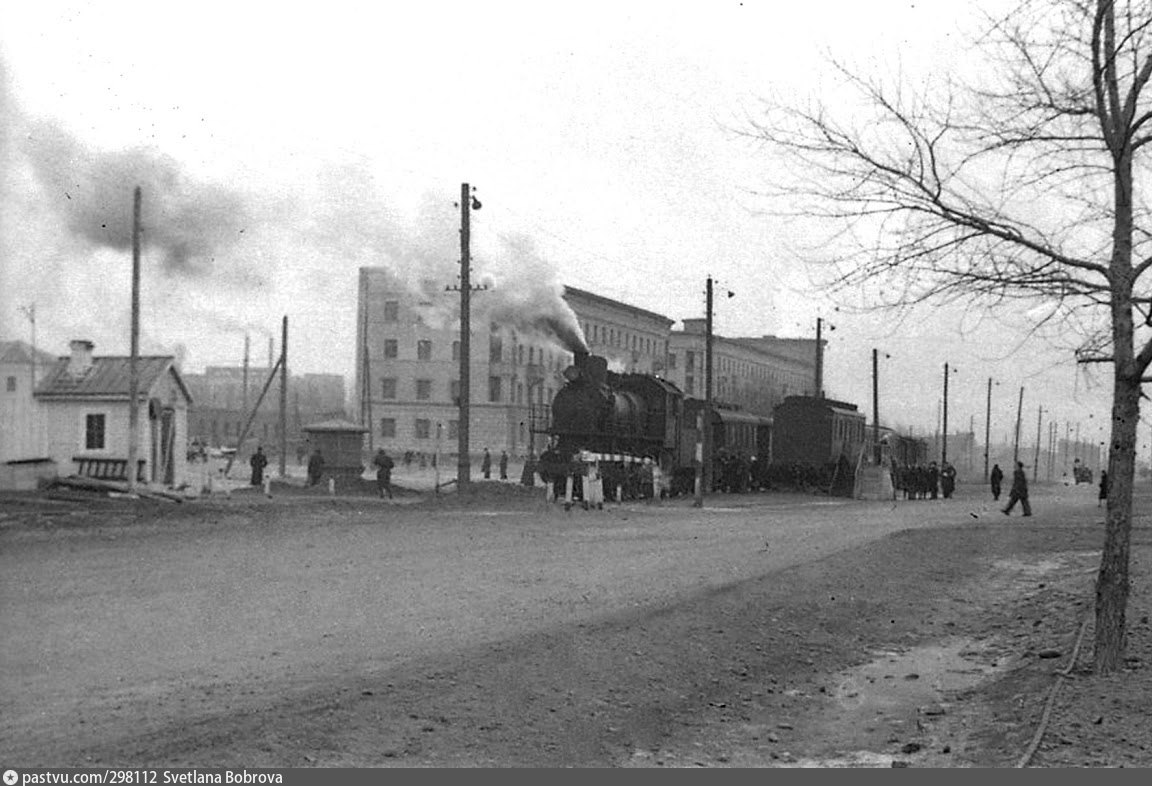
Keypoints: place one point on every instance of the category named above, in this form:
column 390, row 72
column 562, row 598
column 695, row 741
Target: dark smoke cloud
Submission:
column 186, row 221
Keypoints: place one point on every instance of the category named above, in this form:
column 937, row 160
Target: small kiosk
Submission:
column 341, row 444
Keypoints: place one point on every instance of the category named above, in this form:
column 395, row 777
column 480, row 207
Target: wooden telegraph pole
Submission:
column 1016, row 442
column 468, row 202
column 133, row 368
column 284, row 397
column 708, row 389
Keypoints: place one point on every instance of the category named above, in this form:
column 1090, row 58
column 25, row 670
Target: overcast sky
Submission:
column 282, row 146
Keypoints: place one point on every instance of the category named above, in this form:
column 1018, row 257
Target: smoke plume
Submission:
column 186, row 221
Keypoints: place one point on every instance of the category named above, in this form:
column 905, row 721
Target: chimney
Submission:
column 81, row 359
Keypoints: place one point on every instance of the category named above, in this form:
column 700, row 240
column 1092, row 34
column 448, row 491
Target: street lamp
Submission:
column 988, row 427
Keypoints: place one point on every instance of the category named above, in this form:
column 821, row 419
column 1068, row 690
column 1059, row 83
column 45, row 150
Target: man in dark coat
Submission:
column 933, row 480
column 486, row 464
column 1019, row 491
column 996, row 478
column 947, row 480
column 315, row 467
column 258, row 462
column 383, row 463
column 503, row 465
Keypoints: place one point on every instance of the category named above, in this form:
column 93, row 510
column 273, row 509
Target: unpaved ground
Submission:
column 761, row 631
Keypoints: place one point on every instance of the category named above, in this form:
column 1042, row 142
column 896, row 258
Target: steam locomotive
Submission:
column 641, row 431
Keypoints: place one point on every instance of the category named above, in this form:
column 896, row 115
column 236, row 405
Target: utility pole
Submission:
column 944, row 444
column 365, row 371
column 1016, row 443
column 30, row 312
column 987, row 428
column 1036, row 457
column 283, row 397
column 708, row 388
column 819, row 392
column 876, row 404
column 468, row 202
column 133, row 368
column 244, row 389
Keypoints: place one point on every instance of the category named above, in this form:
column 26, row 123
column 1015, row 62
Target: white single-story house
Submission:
column 84, row 402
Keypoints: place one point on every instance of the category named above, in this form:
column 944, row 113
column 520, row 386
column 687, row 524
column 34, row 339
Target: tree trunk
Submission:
column 1112, row 581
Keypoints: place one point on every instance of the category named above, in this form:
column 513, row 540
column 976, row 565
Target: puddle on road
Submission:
column 887, row 697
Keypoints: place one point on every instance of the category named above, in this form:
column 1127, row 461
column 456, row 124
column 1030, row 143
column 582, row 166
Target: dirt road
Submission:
column 293, row 632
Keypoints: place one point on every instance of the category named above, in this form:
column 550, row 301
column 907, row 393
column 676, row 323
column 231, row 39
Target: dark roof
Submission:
column 21, row 352
column 585, row 295
column 107, row 378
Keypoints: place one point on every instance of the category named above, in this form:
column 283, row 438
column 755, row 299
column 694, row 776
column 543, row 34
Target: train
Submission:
column 643, row 436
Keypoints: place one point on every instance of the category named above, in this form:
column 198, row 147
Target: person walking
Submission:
column 933, row 480
column 315, row 467
column 486, row 465
column 503, row 465
column 1019, row 492
column 996, row 478
column 384, row 464
column 1103, row 498
column 258, row 462
column 947, row 480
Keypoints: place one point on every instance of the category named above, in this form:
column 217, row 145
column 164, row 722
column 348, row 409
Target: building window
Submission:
column 390, row 348
column 11, row 384
column 689, row 361
column 424, row 349
column 391, row 310
column 454, row 391
column 520, row 354
column 495, row 350
column 455, row 350
column 423, row 389
column 423, row 428
column 690, row 386
column 519, row 392
column 388, row 387
column 494, row 389
column 94, row 432
column 388, row 427
column 531, row 355
column 453, row 429
column 671, row 360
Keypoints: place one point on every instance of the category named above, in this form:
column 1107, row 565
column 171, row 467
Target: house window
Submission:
column 423, row 389
column 690, row 386
column 388, row 387
column 390, row 350
column 520, row 354
column 391, row 310
column 11, row 384
column 671, row 360
column 494, row 389
column 454, row 391
column 94, row 432
column 689, row 361
column 423, row 428
column 388, row 427
column 495, row 350
column 424, row 350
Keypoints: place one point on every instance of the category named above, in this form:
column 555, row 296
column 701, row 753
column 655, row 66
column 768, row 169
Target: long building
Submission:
column 408, row 365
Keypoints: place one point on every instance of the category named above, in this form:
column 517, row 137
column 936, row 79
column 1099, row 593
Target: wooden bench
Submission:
column 107, row 468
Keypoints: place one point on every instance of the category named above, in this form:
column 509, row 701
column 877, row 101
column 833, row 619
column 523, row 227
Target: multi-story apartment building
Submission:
column 754, row 374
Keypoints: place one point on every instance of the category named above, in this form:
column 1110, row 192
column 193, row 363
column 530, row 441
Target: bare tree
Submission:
column 1025, row 182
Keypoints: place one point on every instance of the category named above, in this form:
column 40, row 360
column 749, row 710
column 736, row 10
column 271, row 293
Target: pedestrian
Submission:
column 258, row 462
column 933, row 480
column 996, row 478
column 1019, row 491
column 1103, row 488
column 503, row 465
column 947, row 480
column 486, row 465
column 315, row 467
column 384, row 464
